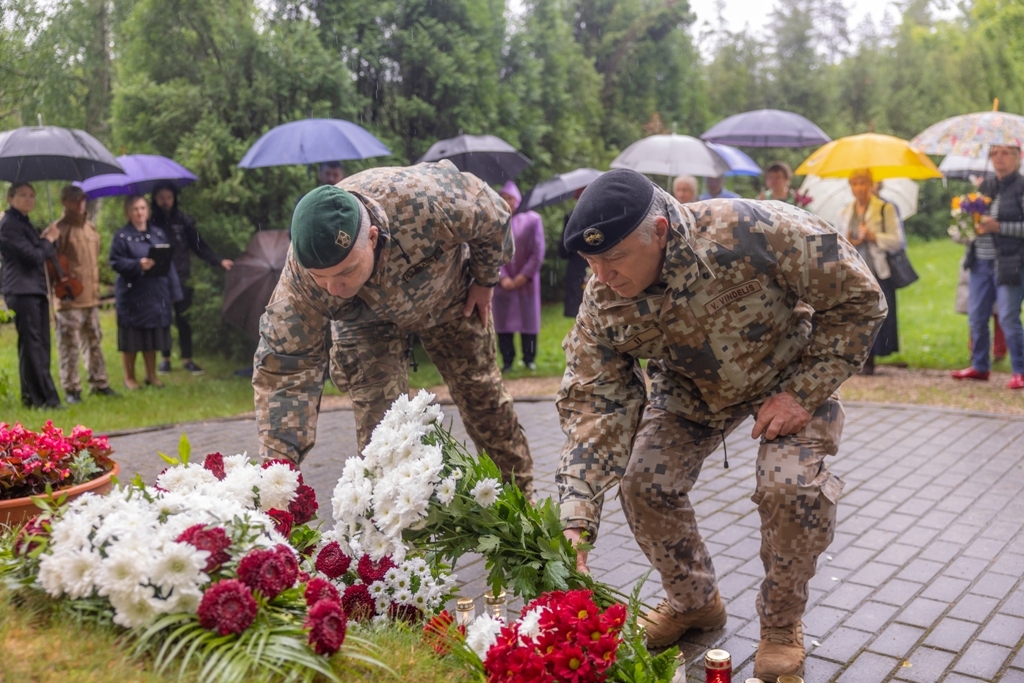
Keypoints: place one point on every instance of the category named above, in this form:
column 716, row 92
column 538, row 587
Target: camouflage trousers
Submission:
column 795, row 494
column 373, row 361
column 78, row 332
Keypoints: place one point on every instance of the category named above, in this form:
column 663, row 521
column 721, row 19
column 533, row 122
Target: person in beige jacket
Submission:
column 78, row 320
column 873, row 227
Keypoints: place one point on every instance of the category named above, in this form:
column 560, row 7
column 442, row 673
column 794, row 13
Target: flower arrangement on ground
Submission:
column 30, row 462
column 203, row 567
column 967, row 211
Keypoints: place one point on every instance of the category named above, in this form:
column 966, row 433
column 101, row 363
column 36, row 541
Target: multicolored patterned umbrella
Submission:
column 970, row 135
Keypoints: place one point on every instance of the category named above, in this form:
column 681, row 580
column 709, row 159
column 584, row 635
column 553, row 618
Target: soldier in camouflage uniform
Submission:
column 742, row 308
column 387, row 252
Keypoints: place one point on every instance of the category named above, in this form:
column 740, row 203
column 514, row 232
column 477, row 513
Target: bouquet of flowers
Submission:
column 967, row 211
column 204, row 568
column 801, row 200
column 416, row 487
column 31, row 461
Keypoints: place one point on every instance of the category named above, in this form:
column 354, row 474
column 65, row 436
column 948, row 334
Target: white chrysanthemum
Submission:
column 398, row 579
column 446, row 491
column 184, row 600
column 179, row 565
column 278, row 483
column 239, row 461
column 133, row 608
column 403, row 596
column 378, row 589
column 121, row 571
column 352, row 499
column 184, row 478
column 381, row 605
column 392, row 575
column 421, row 600
column 482, row 634
column 238, row 485
column 529, row 624
column 51, row 573
column 486, row 491
column 79, row 573
column 72, row 531
column 376, row 545
column 457, row 474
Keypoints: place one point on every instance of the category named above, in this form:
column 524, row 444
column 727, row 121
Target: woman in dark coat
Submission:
column 144, row 301
column 24, row 254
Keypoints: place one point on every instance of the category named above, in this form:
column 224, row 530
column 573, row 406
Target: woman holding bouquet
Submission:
column 873, row 227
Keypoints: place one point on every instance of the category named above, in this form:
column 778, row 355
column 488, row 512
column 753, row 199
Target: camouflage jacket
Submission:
column 756, row 298
column 439, row 228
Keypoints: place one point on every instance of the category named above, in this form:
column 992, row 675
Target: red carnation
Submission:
column 331, row 561
column 317, row 589
column 303, row 506
column 410, row 614
column 269, row 571
column 370, row 571
column 282, row 521
column 214, row 462
column 227, row 607
column 215, row 541
column 327, row 625
column 357, row 602
column 283, row 461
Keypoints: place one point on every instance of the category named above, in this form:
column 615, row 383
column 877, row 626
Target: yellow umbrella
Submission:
column 885, row 155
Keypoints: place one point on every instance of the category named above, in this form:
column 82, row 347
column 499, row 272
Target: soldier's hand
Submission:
column 576, row 536
column 780, row 415
column 479, row 297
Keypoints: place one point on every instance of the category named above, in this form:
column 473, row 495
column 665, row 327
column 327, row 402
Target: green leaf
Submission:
column 488, row 544
column 168, row 459
column 555, row 575
column 184, row 449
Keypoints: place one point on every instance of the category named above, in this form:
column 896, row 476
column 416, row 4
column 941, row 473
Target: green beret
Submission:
column 325, row 225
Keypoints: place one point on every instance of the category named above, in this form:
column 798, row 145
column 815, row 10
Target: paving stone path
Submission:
column 924, row 581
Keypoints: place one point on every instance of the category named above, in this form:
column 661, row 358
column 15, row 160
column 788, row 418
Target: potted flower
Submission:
column 48, row 464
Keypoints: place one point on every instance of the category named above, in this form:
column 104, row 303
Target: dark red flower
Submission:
column 327, row 625
column 214, row 462
column 23, row 543
column 410, row 614
column 283, row 461
column 331, row 561
column 303, row 577
column 318, row 589
column 282, row 521
column 357, row 602
column 303, row 506
column 269, row 571
column 370, row 571
column 227, row 607
column 215, row 541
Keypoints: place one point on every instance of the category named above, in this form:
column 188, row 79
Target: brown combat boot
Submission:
column 665, row 626
column 780, row 652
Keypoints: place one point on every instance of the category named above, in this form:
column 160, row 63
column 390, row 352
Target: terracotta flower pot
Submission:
column 18, row 510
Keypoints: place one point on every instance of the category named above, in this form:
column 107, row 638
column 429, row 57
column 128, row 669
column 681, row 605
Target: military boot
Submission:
column 665, row 626
column 780, row 652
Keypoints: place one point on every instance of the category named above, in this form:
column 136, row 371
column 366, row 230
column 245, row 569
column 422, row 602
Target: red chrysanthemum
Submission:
column 283, row 461
column 410, row 614
column 215, row 541
column 303, row 506
column 282, row 521
column 331, row 561
column 303, row 577
column 227, row 607
column 318, row 589
column 269, row 571
column 327, row 625
column 614, row 617
column 570, row 664
column 577, row 606
column 370, row 571
column 214, row 462
column 357, row 602
column 602, row 652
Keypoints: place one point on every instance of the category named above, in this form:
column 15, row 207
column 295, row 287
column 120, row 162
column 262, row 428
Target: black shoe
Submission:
column 165, row 366
column 193, row 368
column 103, row 391
column 73, row 397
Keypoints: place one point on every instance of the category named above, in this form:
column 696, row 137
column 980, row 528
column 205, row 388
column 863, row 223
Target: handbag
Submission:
column 901, row 272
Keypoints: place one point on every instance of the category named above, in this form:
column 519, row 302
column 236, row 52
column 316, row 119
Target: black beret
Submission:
column 608, row 210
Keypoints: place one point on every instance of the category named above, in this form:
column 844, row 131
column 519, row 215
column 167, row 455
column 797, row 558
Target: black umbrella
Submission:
column 251, row 281
column 53, row 153
column 489, row 158
column 558, row 189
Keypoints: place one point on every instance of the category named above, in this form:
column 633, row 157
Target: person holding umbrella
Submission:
column 716, row 189
column 24, row 254
column 180, row 228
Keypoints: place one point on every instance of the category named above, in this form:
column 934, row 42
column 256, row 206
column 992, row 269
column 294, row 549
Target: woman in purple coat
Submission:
column 516, row 302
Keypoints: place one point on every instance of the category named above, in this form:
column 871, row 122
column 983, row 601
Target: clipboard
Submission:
column 161, row 255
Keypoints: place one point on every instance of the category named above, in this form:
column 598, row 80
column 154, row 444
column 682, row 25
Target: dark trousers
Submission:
column 181, row 322
column 32, row 321
column 507, row 347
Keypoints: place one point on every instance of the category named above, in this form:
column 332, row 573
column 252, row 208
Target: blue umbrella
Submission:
column 739, row 163
column 142, row 172
column 313, row 141
column 766, row 128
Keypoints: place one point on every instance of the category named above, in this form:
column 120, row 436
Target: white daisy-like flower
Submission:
column 457, row 474
column 278, row 483
column 392, row 575
column 184, row 478
column 486, row 491
column 529, row 625
column 482, row 634
column 121, row 571
column 403, row 596
column 184, row 600
column 133, row 608
column 421, row 600
column 79, row 572
column 179, row 565
column 446, row 491
column 378, row 589
column 238, row 461
column 377, row 546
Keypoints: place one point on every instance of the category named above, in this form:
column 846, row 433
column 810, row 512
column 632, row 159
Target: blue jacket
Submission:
column 142, row 300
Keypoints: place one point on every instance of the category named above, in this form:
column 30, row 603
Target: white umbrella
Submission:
column 830, row 195
column 955, row 166
column 672, row 155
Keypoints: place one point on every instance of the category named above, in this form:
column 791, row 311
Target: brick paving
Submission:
column 924, row 581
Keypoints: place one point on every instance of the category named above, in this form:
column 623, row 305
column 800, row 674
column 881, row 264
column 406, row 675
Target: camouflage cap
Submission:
column 325, row 225
column 608, row 211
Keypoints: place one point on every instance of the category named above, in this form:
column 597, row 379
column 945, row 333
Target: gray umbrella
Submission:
column 53, row 153
column 559, row 188
column 766, row 128
column 489, row 158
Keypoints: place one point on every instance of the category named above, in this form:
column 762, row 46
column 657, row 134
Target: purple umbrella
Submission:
column 766, row 128
column 313, row 141
column 142, row 172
